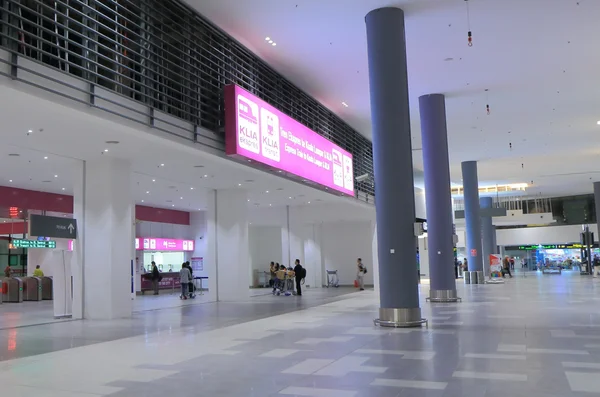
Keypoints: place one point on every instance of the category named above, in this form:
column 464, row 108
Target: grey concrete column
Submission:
column 597, row 203
column 392, row 160
column 438, row 198
column 487, row 234
column 472, row 221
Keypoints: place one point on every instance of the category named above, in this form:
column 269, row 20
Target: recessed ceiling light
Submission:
column 172, row 205
column 345, row 104
column 105, row 150
column 56, row 176
column 249, row 161
column 270, row 205
column 309, row 202
column 191, row 188
column 239, row 184
column 270, row 41
column 248, row 200
column 153, row 180
column 180, row 198
column 30, row 131
column 147, row 192
column 280, row 171
column 45, row 157
column 162, row 165
column 63, row 188
column 206, row 176
column 267, row 38
column 290, row 197
column 274, row 44
column 598, row 122
column 267, row 191
column 142, row 201
column 10, row 180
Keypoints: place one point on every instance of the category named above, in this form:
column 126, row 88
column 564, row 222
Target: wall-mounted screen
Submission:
column 256, row 131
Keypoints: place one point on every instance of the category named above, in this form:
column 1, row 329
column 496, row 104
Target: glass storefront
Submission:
column 565, row 256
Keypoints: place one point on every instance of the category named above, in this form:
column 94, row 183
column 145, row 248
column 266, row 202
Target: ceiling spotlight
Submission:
column 248, row 200
column 105, row 150
column 309, row 202
column 56, row 176
column 345, row 104
column 267, row 38
column 45, row 157
column 63, row 188
column 191, row 188
column 270, row 205
column 142, row 201
column 10, row 180
column 239, row 184
column 267, row 191
column 180, row 198
column 153, row 180
column 270, row 41
column 598, row 122
column 280, row 171
column 147, row 192
column 274, row 44
column 162, row 165
column 206, row 176
column 290, row 197
column 172, row 205
column 30, row 131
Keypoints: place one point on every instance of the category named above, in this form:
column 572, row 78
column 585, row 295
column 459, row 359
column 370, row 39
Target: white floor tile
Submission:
column 280, row 353
column 310, row 392
column 490, row 376
column 307, row 367
column 349, row 364
column 583, row 382
column 410, row 384
column 406, row 354
column 496, row 356
column 316, row 341
column 573, row 364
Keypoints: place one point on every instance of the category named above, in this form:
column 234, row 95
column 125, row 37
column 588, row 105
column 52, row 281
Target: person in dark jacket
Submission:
column 155, row 278
column 299, row 273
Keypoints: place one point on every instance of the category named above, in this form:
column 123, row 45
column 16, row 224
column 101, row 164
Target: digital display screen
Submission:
column 255, row 130
column 34, row 243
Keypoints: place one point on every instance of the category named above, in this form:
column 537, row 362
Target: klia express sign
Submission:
column 257, row 131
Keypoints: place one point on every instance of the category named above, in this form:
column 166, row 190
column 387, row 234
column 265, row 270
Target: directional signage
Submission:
column 52, row 226
column 33, row 243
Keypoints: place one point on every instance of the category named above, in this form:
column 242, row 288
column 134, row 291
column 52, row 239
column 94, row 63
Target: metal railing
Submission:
column 164, row 55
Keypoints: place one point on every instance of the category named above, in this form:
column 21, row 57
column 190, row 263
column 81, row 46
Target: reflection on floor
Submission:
column 535, row 336
column 28, row 313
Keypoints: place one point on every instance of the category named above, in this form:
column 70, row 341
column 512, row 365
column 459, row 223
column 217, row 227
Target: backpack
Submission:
column 303, row 273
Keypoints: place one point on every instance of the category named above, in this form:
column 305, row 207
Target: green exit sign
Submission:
column 33, row 244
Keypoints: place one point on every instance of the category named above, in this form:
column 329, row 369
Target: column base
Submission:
column 400, row 318
column 446, row 295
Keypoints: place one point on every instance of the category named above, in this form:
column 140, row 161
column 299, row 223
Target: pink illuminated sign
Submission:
column 163, row 244
column 257, row 131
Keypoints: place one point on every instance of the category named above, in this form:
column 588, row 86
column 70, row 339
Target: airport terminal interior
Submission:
column 259, row 198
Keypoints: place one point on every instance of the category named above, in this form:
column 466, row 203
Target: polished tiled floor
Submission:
column 535, row 336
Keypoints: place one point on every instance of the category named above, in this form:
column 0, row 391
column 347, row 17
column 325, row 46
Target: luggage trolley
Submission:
column 332, row 279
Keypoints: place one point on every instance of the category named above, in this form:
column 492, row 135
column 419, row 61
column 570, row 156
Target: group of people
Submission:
column 186, row 278
column 280, row 276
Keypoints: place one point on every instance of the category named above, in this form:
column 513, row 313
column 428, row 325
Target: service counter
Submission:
column 168, row 281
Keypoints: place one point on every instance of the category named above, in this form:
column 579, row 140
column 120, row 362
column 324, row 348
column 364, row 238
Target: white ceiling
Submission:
column 536, row 57
column 67, row 136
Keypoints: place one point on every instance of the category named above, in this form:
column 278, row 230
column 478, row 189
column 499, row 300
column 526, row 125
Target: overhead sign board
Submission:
column 255, row 130
column 163, row 244
column 547, row 247
column 52, row 226
column 33, row 243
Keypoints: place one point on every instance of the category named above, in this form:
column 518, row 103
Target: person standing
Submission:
column 506, row 265
column 155, row 278
column 360, row 274
column 185, row 277
column 300, row 275
column 38, row 272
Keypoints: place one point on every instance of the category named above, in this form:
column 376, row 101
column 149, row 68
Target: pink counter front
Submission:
column 169, row 281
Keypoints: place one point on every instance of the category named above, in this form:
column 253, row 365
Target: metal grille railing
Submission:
column 164, row 55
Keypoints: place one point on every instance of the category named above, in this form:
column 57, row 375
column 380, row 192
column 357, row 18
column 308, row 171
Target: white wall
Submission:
column 265, row 247
column 163, row 230
column 198, row 230
column 48, row 259
column 342, row 244
column 542, row 235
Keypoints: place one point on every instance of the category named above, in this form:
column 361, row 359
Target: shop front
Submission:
column 566, row 256
column 168, row 254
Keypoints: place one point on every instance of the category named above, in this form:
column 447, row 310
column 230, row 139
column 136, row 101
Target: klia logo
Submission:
column 269, row 138
column 247, row 132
